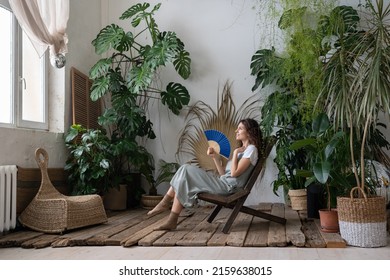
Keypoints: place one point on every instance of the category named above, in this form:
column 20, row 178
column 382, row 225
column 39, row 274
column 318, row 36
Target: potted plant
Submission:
column 329, row 165
column 89, row 162
column 125, row 81
column 355, row 91
column 293, row 77
column 165, row 173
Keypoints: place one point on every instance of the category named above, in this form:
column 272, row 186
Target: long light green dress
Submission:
column 190, row 180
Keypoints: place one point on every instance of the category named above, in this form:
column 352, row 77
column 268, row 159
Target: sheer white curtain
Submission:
column 44, row 22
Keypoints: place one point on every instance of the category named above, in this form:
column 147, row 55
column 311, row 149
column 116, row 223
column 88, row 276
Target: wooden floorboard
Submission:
column 134, row 228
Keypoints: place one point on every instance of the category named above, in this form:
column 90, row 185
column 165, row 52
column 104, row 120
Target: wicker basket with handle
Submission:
column 362, row 219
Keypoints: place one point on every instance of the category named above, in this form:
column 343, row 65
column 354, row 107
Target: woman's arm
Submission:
column 217, row 160
column 239, row 166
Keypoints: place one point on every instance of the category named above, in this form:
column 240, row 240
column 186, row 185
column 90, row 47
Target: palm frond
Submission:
column 201, row 116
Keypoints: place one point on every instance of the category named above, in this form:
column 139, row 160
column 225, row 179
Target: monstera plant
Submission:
column 125, row 79
column 128, row 76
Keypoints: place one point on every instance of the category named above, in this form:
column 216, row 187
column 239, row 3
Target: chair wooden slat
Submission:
column 236, row 200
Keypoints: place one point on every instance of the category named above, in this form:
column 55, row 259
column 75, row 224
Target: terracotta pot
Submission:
column 329, row 220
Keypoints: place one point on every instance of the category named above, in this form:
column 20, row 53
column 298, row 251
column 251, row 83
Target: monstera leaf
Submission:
column 264, row 66
column 139, row 78
column 99, row 87
column 175, row 97
column 112, row 36
column 163, row 51
column 182, row 64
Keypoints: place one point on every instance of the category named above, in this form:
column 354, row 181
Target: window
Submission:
column 23, row 76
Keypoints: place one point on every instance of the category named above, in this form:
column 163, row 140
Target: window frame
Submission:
column 17, row 80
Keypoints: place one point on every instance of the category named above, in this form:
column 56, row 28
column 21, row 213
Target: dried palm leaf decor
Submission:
column 201, row 117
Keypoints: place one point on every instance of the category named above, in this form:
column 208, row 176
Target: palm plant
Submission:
column 356, row 82
column 201, row 116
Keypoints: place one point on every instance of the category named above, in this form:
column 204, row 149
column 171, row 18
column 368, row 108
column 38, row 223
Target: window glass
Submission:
column 23, row 77
column 33, row 101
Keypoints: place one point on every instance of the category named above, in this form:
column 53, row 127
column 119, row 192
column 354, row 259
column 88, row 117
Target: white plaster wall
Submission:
column 221, row 37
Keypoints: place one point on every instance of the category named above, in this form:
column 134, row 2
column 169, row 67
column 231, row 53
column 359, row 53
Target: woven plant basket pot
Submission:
column 150, row 201
column 298, row 199
column 362, row 220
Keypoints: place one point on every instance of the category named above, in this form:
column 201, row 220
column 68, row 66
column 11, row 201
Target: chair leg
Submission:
column 233, row 215
column 263, row 215
column 214, row 213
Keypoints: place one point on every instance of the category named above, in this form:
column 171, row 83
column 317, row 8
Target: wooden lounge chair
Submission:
column 236, row 200
column 52, row 212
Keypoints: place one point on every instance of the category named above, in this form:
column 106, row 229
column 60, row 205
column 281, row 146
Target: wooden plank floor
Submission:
column 134, row 228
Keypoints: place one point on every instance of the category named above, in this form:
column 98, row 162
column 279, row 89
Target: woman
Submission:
column 190, row 180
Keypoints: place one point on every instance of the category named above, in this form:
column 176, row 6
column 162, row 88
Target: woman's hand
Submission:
column 239, row 150
column 211, row 152
column 217, row 160
column 238, row 167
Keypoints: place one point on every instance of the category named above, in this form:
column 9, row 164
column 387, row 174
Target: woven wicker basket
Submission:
column 362, row 220
column 298, row 199
column 150, row 201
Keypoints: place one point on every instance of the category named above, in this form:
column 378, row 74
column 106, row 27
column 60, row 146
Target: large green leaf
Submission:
column 138, row 13
column 99, row 87
column 264, row 65
column 164, row 50
column 333, row 144
column 133, row 10
column 175, row 97
column 321, row 171
column 320, row 124
column 139, row 78
column 73, row 132
column 182, row 64
column 302, row 143
column 341, row 20
column 112, row 36
column 100, row 68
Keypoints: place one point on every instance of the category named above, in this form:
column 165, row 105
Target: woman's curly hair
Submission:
column 253, row 129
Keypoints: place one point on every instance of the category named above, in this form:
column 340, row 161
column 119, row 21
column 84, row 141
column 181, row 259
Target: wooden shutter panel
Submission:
column 85, row 111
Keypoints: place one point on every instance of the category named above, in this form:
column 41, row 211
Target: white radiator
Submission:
column 8, row 175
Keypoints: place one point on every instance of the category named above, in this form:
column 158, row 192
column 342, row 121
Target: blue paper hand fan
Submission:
column 218, row 141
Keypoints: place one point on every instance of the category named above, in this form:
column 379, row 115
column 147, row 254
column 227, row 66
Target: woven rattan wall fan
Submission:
column 201, row 117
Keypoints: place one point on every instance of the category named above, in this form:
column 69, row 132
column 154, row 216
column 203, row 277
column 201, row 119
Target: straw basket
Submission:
column 362, row 220
column 150, row 201
column 298, row 199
